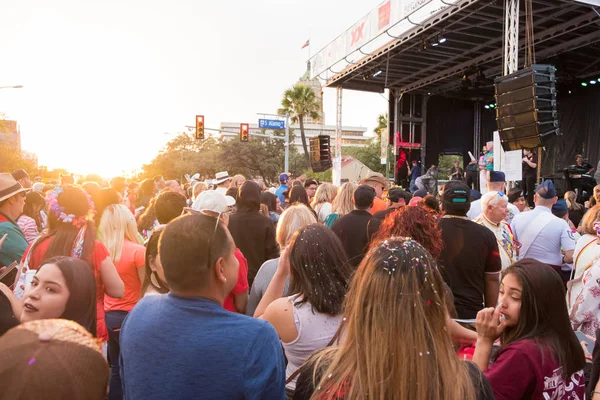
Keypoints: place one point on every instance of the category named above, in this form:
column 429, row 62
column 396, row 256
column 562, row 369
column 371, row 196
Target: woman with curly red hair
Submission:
column 418, row 223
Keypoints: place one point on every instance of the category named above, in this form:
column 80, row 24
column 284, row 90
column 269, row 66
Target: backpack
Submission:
column 331, row 218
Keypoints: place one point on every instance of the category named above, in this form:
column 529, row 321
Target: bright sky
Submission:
column 104, row 80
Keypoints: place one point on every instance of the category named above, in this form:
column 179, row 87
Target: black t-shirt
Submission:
column 355, row 231
column 529, row 172
column 305, row 387
column 470, row 251
column 7, row 318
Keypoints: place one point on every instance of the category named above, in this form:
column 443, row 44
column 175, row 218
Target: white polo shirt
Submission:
column 475, row 211
column 552, row 238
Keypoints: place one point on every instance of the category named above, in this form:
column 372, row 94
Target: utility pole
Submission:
column 337, row 161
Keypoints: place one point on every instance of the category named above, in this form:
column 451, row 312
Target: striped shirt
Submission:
column 28, row 227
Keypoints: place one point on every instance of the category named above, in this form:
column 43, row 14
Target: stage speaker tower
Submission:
column 526, row 113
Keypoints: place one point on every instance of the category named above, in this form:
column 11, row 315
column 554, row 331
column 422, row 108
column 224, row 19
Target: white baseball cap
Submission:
column 212, row 200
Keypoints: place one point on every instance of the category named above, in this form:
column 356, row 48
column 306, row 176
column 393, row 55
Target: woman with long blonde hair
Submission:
column 342, row 204
column 322, row 203
column 237, row 181
column 293, row 218
column 394, row 343
column 118, row 232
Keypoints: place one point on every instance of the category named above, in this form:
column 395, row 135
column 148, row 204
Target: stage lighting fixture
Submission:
column 434, row 43
column 443, row 40
column 492, row 106
column 584, row 84
column 593, row 82
column 487, row 106
column 376, row 74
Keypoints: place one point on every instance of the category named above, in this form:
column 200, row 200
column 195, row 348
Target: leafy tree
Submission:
column 13, row 158
column 368, row 155
column 260, row 157
column 300, row 101
column 326, row 176
column 185, row 155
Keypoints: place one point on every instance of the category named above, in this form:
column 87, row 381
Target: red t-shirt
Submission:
column 99, row 254
column 522, row 372
column 242, row 283
column 132, row 258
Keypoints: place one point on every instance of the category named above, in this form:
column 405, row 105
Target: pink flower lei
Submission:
column 77, row 221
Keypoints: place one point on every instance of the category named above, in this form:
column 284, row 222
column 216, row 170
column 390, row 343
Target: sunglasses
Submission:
column 212, row 214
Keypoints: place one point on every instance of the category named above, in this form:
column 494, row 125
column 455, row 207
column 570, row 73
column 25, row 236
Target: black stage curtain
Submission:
column 579, row 121
column 450, row 124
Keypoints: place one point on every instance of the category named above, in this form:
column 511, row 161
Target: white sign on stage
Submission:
column 509, row 162
column 512, row 165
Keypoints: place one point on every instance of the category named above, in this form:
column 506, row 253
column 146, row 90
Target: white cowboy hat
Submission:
column 9, row 186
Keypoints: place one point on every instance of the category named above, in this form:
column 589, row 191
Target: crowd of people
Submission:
column 228, row 289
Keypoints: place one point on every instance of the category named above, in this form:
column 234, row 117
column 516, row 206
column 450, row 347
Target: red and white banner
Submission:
column 369, row 33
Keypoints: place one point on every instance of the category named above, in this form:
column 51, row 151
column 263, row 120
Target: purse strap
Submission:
column 332, row 341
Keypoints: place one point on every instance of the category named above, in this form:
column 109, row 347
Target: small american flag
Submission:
column 306, row 44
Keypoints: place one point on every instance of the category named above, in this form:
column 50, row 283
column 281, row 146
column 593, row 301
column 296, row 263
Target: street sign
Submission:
column 271, row 124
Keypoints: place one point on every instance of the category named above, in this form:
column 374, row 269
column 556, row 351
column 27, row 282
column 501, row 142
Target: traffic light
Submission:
column 200, row 127
column 244, row 136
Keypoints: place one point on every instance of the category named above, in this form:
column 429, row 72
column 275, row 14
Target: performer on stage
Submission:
column 529, row 174
column 583, row 165
column 456, row 172
column 486, row 164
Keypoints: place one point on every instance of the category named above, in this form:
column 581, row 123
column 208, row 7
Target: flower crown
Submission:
column 59, row 211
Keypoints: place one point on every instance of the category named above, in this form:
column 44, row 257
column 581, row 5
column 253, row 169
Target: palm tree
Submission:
column 300, row 101
column 382, row 123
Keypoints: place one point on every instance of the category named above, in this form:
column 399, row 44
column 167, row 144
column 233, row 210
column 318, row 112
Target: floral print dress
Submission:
column 585, row 313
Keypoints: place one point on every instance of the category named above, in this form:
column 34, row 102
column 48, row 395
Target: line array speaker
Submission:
column 320, row 153
column 526, row 113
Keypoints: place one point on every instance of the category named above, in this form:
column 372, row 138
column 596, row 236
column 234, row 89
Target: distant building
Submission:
column 353, row 170
column 10, row 134
column 351, row 135
column 315, row 85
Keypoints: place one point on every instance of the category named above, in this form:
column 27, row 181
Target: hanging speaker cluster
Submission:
column 320, row 153
column 526, row 113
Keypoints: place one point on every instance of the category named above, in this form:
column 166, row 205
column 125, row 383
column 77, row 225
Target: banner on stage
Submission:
column 380, row 26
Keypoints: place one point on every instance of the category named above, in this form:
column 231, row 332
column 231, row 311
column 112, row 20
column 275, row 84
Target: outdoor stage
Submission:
column 439, row 58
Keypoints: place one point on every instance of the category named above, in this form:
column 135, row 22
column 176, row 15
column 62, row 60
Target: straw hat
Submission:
column 52, row 359
column 377, row 178
column 221, row 177
column 9, row 186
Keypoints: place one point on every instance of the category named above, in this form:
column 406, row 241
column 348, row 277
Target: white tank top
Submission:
column 315, row 331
